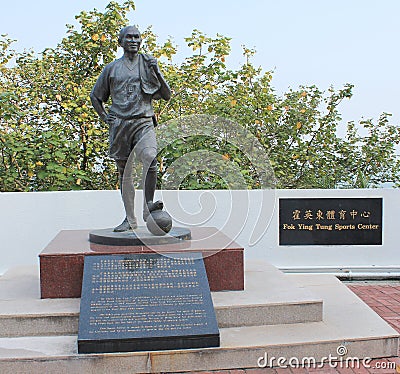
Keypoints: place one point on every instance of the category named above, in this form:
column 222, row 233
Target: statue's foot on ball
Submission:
column 159, row 222
column 158, row 205
column 126, row 226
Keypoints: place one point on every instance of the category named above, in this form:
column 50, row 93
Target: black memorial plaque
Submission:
column 143, row 302
column 330, row 221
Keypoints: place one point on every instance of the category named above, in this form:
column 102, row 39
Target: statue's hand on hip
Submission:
column 111, row 117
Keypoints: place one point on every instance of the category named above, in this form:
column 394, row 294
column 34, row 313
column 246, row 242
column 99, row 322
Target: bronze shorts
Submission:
column 127, row 135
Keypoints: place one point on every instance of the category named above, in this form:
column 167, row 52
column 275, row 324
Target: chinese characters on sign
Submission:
column 330, row 221
column 145, row 302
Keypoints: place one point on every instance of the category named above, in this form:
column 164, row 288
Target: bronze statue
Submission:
column 132, row 82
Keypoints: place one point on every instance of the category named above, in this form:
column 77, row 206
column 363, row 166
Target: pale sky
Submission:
column 305, row 42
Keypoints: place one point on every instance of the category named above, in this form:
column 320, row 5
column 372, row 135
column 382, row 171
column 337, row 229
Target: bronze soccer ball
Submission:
column 159, row 222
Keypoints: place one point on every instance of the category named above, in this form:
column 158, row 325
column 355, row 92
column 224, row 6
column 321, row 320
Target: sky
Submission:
column 304, row 42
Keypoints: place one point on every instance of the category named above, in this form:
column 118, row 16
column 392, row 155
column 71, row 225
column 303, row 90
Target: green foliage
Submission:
column 53, row 140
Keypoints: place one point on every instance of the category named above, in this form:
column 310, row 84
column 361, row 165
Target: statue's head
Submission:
column 130, row 39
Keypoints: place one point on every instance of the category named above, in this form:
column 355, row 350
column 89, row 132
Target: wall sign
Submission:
column 330, row 221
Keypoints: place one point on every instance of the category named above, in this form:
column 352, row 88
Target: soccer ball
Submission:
column 159, row 222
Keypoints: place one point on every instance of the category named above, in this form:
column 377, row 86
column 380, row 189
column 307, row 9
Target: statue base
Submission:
column 139, row 236
column 61, row 262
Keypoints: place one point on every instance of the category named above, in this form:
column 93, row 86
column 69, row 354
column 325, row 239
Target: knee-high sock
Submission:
column 127, row 190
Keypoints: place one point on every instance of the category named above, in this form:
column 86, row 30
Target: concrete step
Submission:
column 347, row 322
column 270, row 297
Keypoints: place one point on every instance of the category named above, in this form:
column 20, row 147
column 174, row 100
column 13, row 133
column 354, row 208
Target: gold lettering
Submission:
column 344, row 227
column 302, row 226
column 324, row 227
column 360, row 226
column 308, row 214
column 296, row 214
column 365, row 214
column 330, row 214
column 353, row 213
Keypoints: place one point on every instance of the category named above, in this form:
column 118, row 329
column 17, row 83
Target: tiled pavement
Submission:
column 384, row 298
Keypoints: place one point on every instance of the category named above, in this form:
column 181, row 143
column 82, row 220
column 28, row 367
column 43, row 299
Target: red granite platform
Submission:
column 61, row 262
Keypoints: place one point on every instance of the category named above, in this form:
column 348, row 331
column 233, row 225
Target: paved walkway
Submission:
column 382, row 297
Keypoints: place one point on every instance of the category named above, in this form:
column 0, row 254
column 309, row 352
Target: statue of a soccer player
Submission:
column 132, row 82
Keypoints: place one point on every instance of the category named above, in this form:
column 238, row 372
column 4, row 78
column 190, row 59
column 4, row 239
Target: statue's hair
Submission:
column 124, row 31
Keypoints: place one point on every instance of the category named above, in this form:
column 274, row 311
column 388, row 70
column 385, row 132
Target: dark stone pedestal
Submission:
column 145, row 302
column 61, row 262
column 139, row 236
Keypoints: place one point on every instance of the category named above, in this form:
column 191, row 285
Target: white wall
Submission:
column 28, row 221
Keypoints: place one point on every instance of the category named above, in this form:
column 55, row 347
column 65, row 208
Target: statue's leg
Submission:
column 128, row 197
column 149, row 179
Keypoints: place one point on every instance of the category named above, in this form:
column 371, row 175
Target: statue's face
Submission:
column 131, row 40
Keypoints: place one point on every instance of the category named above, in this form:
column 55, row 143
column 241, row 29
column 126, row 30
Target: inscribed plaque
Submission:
column 140, row 302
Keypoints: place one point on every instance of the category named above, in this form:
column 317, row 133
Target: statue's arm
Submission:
column 98, row 106
column 164, row 92
column 100, row 94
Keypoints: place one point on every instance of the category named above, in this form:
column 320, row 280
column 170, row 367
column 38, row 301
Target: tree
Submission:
column 53, row 140
column 51, row 137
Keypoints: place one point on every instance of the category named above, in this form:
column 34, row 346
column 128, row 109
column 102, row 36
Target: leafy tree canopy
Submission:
column 51, row 138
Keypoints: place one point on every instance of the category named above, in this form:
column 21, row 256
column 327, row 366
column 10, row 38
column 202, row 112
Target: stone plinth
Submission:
column 61, row 262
